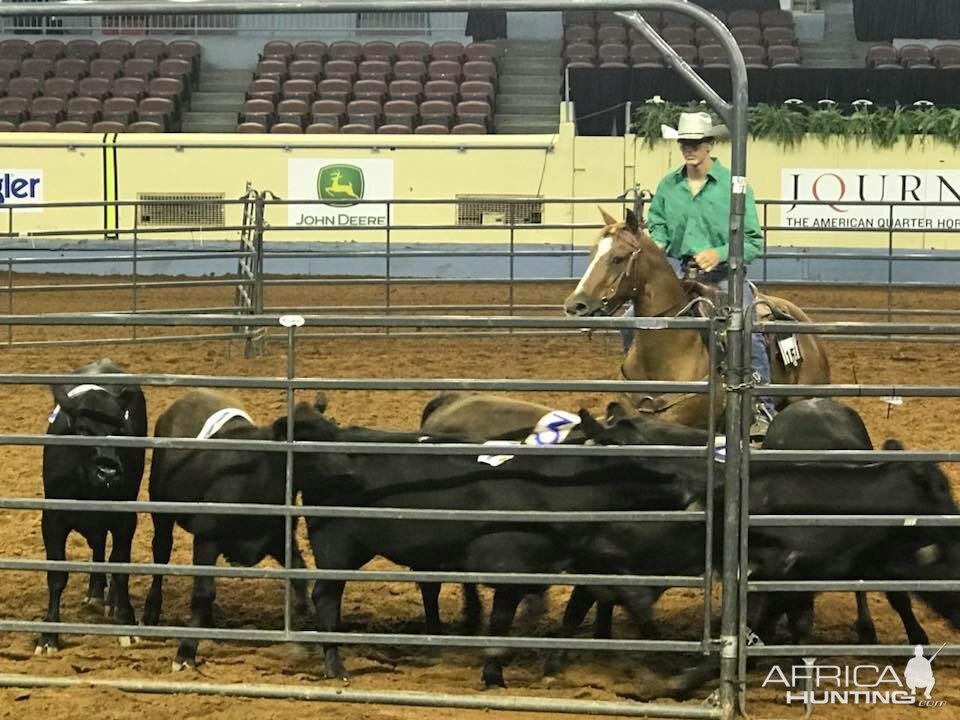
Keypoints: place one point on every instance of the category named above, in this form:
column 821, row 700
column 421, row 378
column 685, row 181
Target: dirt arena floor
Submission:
column 383, row 607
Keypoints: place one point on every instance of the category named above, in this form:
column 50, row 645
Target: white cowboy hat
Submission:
column 694, row 126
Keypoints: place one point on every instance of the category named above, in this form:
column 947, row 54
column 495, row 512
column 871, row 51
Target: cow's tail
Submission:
column 444, row 398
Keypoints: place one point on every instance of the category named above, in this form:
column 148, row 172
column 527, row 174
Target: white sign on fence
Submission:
column 833, row 186
column 338, row 186
column 21, row 187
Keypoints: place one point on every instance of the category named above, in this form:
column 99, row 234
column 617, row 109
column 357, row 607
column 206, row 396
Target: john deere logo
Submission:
column 342, row 185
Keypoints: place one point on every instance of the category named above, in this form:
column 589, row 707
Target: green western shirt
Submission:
column 684, row 224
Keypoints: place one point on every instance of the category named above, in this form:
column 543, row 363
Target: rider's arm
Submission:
column 657, row 219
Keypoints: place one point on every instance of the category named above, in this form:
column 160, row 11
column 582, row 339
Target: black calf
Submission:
column 92, row 473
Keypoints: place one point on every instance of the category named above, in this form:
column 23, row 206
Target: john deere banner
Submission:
column 834, row 187
column 337, row 193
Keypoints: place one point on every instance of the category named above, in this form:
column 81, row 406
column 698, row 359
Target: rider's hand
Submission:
column 707, row 259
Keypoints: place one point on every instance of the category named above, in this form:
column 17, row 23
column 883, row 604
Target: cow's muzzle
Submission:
column 106, row 470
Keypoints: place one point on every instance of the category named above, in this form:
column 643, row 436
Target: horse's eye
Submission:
column 617, row 261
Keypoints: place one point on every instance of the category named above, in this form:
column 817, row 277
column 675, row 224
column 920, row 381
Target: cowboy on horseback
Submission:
column 689, row 219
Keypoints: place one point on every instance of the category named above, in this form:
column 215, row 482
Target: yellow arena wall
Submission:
column 549, row 166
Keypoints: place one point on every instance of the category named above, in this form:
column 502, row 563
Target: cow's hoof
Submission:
column 866, row 635
column 44, row 650
column 150, row 617
column 493, row 678
column 128, row 640
column 94, row 601
column 178, row 665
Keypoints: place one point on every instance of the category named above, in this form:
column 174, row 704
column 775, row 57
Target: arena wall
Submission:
column 466, row 168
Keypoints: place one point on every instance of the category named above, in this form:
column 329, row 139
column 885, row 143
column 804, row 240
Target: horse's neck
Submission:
column 664, row 354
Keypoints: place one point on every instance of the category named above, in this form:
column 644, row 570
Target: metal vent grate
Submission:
column 181, row 209
column 393, row 21
column 499, row 210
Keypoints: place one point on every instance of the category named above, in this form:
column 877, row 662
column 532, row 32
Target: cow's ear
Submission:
column 615, row 412
column 280, row 428
column 632, row 223
column 592, row 429
column 892, row 444
column 60, row 395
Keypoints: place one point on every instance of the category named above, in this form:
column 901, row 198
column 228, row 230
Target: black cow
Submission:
column 459, row 482
column 219, row 476
column 837, row 553
column 92, row 473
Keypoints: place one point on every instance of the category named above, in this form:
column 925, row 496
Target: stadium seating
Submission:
column 86, row 86
column 913, row 57
column 375, row 87
column 603, row 40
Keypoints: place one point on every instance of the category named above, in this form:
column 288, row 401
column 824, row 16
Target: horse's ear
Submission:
column 608, row 219
column 632, row 223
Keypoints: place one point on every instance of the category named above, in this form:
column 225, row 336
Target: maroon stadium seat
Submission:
column 26, row 87
column 108, row 126
column 251, row 128
column 473, row 112
column 37, row 67
column 480, row 51
column 15, row 48
column 49, row 49
column 120, row 109
column 469, row 129
column 321, row 129
column 277, row 50
column 375, row 70
column 405, row 90
column 776, row 18
column 84, row 109
column 410, row 70
column 679, row 35
column 73, row 126
column 441, row 90
column 747, row 35
column 311, row 70
column 105, row 68
column 436, row 112
column 447, row 50
column 293, row 112
column 612, row 34
column 131, row 87
column 81, row 49
column 370, row 90
column 335, row 89
column 59, row 87
column 477, row 90
column 35, row 126
column 357, row 129
column 94, row 87
column 158, row 110
column 310, row 50
column 304, row 90
column 9, row 67
column 413, row 50
column 779, row 36
column 150, row 49
column 72, row 68
column 346, row 50
column 394, row 130
column 613, row 53
column 140, row 68
column 328, row 112
column 431, row 129
column 743, row 18
column 379, row 50
column 144, row 126
column 579, row 34
column 364, row 111
column 260, row 111
column 48, row 109
column 342, row 69
column 6, row 126
column 264, row 89
column 286, row 129
column 400, row 112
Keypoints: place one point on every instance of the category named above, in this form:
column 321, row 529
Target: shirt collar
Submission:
column 716, row 171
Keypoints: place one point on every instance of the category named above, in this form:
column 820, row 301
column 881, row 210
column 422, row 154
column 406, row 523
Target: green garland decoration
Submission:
column 791, row 124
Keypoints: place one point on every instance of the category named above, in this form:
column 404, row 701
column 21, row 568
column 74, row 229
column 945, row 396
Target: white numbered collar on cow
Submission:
column 215, row 422
column 552, row 429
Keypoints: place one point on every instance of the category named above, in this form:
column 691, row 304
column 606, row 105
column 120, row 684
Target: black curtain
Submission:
column 883, row 20
column 599, row 93
column 486, row 25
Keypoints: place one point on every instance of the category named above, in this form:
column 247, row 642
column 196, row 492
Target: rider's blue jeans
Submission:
column 758, row 348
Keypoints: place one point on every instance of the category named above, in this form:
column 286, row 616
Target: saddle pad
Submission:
column 220, row 418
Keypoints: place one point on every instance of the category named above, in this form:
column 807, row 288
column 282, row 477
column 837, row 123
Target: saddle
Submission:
column 786, row 346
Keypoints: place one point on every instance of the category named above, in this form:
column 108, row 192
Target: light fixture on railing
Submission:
column 862, row 103
column 827, row 104
column 923, row 104
column 793, row 101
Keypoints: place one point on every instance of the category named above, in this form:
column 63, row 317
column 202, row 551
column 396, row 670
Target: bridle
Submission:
column 606, row 300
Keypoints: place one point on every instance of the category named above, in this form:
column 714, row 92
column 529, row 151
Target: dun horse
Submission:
column 626, row 265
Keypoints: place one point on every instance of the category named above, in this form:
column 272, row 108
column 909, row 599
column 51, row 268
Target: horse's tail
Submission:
column 444, row 398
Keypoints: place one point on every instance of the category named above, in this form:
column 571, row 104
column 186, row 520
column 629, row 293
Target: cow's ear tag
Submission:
column 126, row 414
